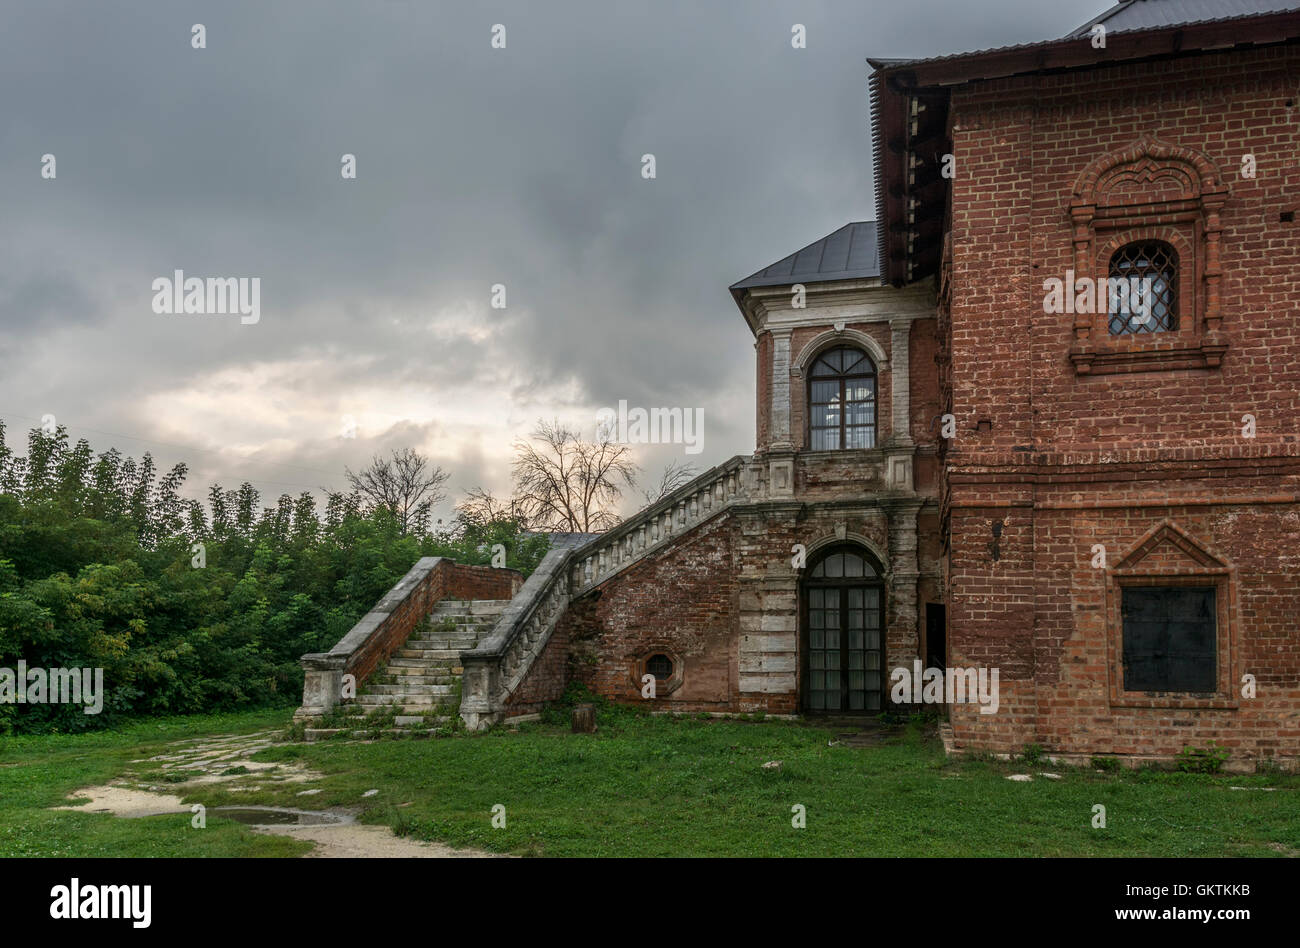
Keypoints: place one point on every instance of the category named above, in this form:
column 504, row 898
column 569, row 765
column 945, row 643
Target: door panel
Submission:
column 843, row 651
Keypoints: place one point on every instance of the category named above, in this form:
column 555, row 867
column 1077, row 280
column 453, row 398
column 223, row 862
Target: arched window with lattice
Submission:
column 842, row 400
column 1142, row 288
column 1146, row 224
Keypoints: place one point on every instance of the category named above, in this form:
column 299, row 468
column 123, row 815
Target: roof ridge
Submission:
column 1100, row 18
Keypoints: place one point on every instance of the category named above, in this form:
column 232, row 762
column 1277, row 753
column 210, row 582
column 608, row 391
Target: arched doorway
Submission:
column 843, row 639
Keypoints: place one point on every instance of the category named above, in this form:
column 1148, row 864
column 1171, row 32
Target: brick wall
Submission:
column 383, row 630
column 723, row 601
column 681, row 600
column 1070, row 459
column 923, row 387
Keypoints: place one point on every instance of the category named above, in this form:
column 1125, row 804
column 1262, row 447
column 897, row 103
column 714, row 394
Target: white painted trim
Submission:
column 831, row 337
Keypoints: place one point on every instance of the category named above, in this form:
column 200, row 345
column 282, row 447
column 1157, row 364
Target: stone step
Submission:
column 403, row 733
column 416, row 669
column 460, row 626
column 408, row 656
column 409, row 720
column 391, row 733
column 457, row 644
column 408, row 688
column 463, row 621
column 406, row 681
column 385, row 699
column 470, row 607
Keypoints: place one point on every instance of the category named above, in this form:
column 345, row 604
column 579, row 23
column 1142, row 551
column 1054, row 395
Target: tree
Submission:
column 97, row 571
column 481, row 506
column 675, row 474
column 403, row 484
column 565, row 483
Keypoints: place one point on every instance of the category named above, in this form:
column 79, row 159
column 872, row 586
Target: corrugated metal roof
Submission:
column 1128, row 16
column 1151, row 14
column 1141, row 29
column 849, row 253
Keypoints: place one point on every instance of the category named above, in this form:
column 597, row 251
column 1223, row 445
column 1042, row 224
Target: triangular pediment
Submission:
column 1168, row 548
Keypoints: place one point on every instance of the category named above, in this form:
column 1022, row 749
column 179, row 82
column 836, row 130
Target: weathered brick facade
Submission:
column 723, row 599
column 1092, row 441
column 1080, row 460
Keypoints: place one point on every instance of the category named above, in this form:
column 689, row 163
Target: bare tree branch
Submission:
column 481, row 506
column 675, row 474
column 403, row 484
column 565, row 483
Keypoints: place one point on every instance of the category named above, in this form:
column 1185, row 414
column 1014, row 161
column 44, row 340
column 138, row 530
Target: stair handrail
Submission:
column 494, row 667
column 497, row 665
column 719, row 486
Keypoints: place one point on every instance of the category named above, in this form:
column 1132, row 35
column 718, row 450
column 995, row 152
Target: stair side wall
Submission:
column 385, row 628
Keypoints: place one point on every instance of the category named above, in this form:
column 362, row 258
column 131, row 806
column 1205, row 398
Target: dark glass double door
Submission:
column 844, row 649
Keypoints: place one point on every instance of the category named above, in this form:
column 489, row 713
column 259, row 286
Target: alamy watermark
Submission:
column 76, row 901
column 1134, row 297
column 182, row 295
column 53, row 686
column 946, row 686
column 652, row 426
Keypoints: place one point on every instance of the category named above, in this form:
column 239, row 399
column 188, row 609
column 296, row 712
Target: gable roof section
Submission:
column 910, row 97
column 1150, row 14
column 849, row 253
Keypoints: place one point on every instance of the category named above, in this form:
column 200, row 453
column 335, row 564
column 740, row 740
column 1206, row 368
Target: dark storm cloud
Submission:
column 475, row 166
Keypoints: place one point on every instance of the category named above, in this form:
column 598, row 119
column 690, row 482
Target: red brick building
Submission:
column 1119, row 505
column 1099, row 500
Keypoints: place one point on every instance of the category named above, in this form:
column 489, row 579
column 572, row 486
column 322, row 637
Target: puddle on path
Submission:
column 211, row 760
column 281, row 816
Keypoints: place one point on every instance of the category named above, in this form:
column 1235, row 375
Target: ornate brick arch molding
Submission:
column 840, row 337
column 849, row 538
column 1144, row 161
column 1151, row 190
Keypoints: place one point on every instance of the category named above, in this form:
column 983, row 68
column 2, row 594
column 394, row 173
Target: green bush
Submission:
column 1207, row 760
column 100, row 567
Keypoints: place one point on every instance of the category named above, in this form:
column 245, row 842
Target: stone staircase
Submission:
column 419, row 690
column 499, row 664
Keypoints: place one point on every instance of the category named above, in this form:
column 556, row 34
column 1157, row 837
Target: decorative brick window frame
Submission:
column 1204, row 568
column 1151, row 191
column 838, row 335
column 637, row 671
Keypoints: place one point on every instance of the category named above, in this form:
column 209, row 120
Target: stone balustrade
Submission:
column 499, row 664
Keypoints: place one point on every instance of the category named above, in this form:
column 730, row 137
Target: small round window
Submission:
column 661, row 666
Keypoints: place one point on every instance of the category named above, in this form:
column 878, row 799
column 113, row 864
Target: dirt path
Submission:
column 360, row 841
column 224, row 760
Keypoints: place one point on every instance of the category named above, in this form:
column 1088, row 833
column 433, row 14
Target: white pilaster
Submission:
column 900, row 389
column 781, row 438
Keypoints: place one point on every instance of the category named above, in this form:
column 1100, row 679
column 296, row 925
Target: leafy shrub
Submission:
column 100, row 568
column 1207, row 760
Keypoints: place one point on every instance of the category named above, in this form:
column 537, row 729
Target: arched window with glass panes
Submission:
column 1143, row 288
column 842, row 400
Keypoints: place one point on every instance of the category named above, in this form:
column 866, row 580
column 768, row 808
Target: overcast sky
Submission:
column 475, row 166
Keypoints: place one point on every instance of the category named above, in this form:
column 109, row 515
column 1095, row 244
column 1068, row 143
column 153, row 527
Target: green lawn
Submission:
column 655, row 787
column 37, row 773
